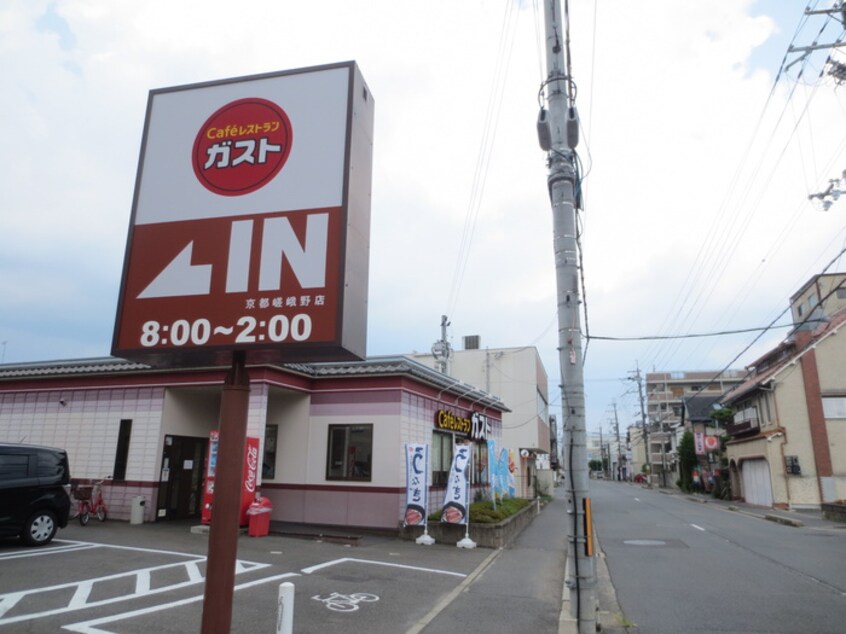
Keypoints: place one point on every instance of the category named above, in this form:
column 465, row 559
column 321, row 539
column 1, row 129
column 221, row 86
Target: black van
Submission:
column 34, row 484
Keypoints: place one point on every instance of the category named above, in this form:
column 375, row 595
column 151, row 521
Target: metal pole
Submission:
column 619, row 449
column 639, row 380
column 562, row 138
column 223, row 537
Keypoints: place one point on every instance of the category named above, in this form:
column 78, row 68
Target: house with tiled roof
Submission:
column 790, row 414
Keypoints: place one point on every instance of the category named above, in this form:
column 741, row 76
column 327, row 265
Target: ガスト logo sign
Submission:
column 242, row 146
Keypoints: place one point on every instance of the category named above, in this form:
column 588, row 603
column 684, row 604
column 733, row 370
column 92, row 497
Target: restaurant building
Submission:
column 331, row 435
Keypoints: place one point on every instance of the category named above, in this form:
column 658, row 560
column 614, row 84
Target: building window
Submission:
column 268, row 464
column 350, row 452
column 834, row 406
column 122, row 450
column 480, row 463
column 441, row 457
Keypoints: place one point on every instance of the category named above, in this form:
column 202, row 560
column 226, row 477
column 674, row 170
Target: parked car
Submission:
column 34, row 486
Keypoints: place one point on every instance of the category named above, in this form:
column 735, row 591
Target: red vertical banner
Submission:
column 248, row 481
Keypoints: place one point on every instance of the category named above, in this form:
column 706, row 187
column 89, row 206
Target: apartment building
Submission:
column 674, row 402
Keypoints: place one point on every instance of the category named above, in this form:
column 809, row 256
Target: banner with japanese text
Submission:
column 699, row 442
column 457, row 498
column 416, row 484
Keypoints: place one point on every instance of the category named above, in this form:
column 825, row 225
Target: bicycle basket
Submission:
column 82, row 493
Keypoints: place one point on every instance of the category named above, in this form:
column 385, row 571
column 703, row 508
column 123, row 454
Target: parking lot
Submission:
column 119, row 578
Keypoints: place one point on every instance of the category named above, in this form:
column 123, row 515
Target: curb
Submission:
column 784, row 520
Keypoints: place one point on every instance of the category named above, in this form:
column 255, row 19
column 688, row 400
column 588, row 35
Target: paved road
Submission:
column 122, row 579
column 679, row 566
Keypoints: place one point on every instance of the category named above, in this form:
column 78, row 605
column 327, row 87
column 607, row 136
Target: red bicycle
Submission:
column 90, row 501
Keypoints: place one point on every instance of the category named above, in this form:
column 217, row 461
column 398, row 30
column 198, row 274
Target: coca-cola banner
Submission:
column 248, row 488
column 416, row 484
column 457, row 498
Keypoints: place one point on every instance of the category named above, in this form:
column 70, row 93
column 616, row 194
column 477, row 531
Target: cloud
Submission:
column 696, row 214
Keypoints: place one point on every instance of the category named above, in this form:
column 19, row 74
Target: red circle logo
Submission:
column 242, row 146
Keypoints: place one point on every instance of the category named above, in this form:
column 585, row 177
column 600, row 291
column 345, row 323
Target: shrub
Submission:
column 483, row 512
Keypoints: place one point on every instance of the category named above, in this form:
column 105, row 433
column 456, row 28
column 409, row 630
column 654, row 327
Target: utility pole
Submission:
column 558, row 136
column 601, row 451
column 619, row 450
column 838, row 11
column 644, row 426
column 836, row 188
column 441, row 349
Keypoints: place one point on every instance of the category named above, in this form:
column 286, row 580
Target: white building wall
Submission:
column 289, row 411
column 190, row 412
column 516, row 376
column 87, row 426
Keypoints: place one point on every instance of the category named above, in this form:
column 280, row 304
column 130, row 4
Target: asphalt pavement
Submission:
column 421, row 589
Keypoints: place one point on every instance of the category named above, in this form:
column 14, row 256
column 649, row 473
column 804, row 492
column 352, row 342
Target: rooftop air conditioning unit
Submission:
column 471, row 342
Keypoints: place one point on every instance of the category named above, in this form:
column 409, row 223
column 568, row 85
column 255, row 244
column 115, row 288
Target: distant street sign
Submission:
column 250, row 221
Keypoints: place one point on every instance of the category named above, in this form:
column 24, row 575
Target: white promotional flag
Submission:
column 457, row 498
column 416, row 484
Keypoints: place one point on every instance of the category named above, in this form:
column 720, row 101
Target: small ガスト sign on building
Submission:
column 250, row 221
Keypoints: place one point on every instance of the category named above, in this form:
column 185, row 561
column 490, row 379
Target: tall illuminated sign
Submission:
column 250, row 222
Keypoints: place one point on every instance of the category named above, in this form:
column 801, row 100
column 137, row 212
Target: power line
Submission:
column 506, row 44
column 687, row 336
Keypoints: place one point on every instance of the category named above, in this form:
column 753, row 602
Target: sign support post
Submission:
column 223, row 537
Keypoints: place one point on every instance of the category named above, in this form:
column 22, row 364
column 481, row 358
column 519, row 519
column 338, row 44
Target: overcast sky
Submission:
column 697, row 166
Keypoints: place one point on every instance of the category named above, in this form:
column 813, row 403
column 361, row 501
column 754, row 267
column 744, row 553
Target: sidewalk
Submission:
column 517, row 588
column 521, row 587
column 798, row 518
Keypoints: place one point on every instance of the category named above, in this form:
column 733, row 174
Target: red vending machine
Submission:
column 248, row 481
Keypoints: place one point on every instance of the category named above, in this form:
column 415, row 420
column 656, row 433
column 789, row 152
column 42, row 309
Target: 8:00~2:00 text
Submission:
column 248, row 329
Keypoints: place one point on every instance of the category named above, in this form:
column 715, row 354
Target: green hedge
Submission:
column 483, row 512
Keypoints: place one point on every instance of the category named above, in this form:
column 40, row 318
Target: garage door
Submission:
column 757, row 487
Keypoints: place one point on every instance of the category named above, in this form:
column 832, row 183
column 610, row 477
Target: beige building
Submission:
column 518, row 378
column 791, row 414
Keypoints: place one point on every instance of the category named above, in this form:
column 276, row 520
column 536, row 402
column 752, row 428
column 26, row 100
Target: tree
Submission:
column 722, row 417
column 687, row 459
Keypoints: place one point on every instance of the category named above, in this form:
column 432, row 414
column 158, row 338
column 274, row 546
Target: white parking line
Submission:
column 90, row 627
column 336, row 562
column 697, row 527
column 82, row 590
column 41, row 550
